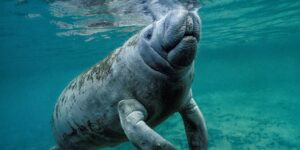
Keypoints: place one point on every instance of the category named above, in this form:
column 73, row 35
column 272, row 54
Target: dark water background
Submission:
column 247, row 80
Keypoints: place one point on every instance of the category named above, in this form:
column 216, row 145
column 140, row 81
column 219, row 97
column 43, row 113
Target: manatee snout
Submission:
column 175, row 37
column 181, row 37
column 178, row 25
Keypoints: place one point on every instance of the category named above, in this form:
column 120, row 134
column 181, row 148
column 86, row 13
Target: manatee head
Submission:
column 169, row 45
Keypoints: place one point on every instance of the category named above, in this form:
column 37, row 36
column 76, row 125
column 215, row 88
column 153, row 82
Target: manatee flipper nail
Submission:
column 132, row 116
column 195, row 126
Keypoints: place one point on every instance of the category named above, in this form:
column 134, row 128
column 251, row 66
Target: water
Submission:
column 247, row 70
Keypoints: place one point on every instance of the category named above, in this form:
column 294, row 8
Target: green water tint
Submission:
column 246, row 81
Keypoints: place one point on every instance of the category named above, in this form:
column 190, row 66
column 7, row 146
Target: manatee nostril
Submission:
column 189, row 25
column 192, row 26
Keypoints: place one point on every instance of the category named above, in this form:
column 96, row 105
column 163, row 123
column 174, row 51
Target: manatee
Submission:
column 134, row 89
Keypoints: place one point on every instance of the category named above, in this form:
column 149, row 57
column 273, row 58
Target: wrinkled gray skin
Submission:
column 134, row 89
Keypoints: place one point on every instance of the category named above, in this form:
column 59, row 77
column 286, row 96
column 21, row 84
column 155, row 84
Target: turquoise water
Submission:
column 247, row 80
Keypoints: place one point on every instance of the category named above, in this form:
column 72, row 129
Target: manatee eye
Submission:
column 148, row 35
column 149, row 32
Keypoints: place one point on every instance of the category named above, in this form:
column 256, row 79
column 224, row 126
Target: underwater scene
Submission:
column 247, row 67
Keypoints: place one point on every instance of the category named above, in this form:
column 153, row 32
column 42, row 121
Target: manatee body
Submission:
column 134, row 89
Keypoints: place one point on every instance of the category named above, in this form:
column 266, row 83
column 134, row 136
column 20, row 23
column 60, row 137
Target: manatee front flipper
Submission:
column 194, row 124
column 132, row 116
